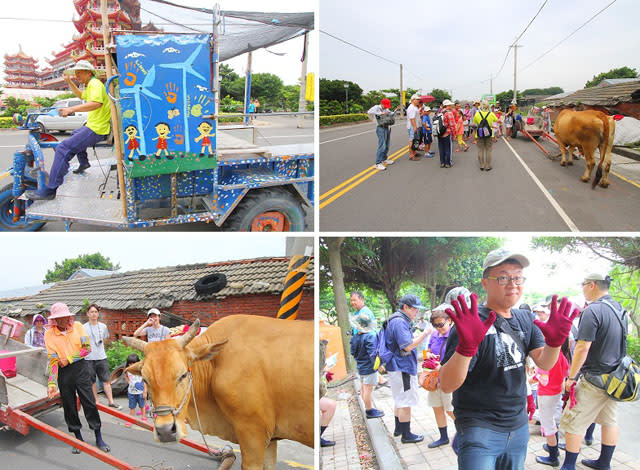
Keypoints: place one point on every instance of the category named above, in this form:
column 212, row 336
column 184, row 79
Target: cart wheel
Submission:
column 41, row 128
column 268, row 210
column 210, row 284
column 7, row 221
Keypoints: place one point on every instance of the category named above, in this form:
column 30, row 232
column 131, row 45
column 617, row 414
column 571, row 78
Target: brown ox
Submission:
column 252, row 378
column 587, row 130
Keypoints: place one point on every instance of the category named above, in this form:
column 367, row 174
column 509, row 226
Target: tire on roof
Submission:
column 210, row 284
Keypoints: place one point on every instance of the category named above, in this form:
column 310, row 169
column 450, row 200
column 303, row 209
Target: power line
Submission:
column 563, row 40
column 358, row 47
column 518, row 38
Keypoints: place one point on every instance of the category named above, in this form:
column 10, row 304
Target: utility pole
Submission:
column 515, row 65
column 490, row 84
column 247, row 89
column 302, row 102
column 401, row 89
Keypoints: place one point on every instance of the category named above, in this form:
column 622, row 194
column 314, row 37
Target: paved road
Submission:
column 525, row 191
column 275, row 130
column 133, row 445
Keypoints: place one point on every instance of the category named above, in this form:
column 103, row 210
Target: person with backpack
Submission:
column 483, row 121
column 414, row 126
column 446, row 127
column 385, row 118
column 602, row 333
column 484, row 364
column 363, row 350
column 402, row 363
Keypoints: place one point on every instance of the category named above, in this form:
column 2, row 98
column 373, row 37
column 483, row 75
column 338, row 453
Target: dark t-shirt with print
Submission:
column 599, row 326
column 494, row 394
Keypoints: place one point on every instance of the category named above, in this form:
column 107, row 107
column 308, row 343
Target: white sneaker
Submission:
column 380, row 166
column 388, row 162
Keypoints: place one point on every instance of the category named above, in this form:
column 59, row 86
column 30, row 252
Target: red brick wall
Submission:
column 125, row 322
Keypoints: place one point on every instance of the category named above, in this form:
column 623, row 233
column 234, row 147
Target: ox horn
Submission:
column 135, row 343
column 189, row 335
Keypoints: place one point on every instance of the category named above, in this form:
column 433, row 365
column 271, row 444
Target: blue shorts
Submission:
column 134, row 400
column 411, row 133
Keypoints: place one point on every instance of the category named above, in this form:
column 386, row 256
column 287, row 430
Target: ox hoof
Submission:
column 569, row 163
column 603, row 184
column 563, row 163
column 584, row 180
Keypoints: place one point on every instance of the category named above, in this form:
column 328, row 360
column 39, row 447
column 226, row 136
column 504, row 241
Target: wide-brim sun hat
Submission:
column 415, row 97
column 59, row 310
column 447, row 103
column 499, row 256
column 80, row 65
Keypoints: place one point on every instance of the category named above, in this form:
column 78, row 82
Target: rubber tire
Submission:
column 6, row 222
column 210, row 284
column 41, row 128
column 265, row 200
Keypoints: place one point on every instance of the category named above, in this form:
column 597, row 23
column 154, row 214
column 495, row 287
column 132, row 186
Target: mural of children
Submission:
column 205, row 132
column 162, row 128
column 132, row 141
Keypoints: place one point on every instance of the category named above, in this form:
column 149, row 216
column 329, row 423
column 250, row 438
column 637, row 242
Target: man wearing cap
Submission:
column 484, row 364
column 598, row 351
column 403, row 366
column 385, row 118
column 97, row 128
column 444, row 139
column 414, row 124
column 67, row 345
column 363, row 349
column 152, row 328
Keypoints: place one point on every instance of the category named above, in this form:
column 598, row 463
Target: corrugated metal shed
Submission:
column 161, row 287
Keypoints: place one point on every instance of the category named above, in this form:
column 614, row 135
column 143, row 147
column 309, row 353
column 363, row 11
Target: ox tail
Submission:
column 605, row 147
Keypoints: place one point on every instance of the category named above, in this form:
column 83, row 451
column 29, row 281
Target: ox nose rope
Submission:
column 164, row 410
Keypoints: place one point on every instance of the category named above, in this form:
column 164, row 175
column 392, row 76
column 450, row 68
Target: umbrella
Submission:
column 427, row 98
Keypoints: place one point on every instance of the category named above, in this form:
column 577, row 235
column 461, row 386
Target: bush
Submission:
column 117, row 353
column 6, row 122
column 633, row 347
column 339, row 118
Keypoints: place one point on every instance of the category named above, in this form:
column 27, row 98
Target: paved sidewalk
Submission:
column 419, row 457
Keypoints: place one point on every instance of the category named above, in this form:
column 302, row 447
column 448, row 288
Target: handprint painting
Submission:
column 515, row 308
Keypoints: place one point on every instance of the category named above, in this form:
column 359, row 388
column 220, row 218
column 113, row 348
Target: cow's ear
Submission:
column 205, row 352
column 135, row 369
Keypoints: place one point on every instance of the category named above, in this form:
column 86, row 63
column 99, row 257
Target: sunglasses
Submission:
column 439, row 325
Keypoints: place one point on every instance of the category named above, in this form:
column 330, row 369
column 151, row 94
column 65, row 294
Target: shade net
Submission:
column 239, row 31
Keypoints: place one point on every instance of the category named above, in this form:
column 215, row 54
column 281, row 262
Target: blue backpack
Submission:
column 382, row 355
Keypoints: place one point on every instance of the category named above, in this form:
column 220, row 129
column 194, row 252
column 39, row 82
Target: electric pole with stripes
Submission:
column 293, row 284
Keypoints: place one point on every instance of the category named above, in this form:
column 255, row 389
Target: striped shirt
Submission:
column 72, row 344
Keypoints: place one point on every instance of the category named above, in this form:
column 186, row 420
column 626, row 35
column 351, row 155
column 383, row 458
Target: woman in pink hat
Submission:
column 67, row 345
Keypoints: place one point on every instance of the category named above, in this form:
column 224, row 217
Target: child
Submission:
column 550, row 399
column 137, row 390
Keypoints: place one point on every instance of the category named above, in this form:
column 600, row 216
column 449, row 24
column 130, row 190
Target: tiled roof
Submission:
column 603, row 96
column 160, row 287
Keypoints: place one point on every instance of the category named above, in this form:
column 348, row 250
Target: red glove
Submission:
column 329, row 376
column 531, row 406
column 572, row 396
column 469, row 327
column 558, row 327
column 430, row 364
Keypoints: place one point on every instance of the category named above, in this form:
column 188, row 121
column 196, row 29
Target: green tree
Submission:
column 267, row 88
column 15, row 105
column 623, row 251
column 554, row 90
column 62, row 271
column 625, row 288
column 291, row 96
column 45, row 102
column 507, row 96
column 440, row 95
column 331, row 108
column 229, row 105
column 621, row 72
column 335, row 90
column 231, row 84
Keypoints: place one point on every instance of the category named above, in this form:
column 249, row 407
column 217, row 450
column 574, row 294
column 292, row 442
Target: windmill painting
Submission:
column 166, row 79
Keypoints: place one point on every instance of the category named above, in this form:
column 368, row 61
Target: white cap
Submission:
column 415, row 97
column 153, row 311
column 447, row 103
column 81, row 65
column 499, row 256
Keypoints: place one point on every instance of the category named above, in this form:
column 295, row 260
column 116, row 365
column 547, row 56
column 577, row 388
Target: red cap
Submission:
column 385, row 102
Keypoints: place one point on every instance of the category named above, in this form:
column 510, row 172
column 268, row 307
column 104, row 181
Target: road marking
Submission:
column 10, row 146
column 573, row 227
column 347, row 137
column 624, row 179
column 286, row 136
column 344, row 183
column 372, row 171
column 291, row 463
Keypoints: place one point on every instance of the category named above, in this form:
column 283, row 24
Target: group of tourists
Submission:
column 450, row 123
column 76, row 357
column 479, row 354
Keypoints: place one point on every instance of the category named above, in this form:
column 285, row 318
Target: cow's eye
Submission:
column 183, row 376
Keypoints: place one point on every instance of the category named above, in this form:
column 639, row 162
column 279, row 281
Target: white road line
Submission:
column 286, row 136
column 10, row 146
column 347, row 137
column 573, row 227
